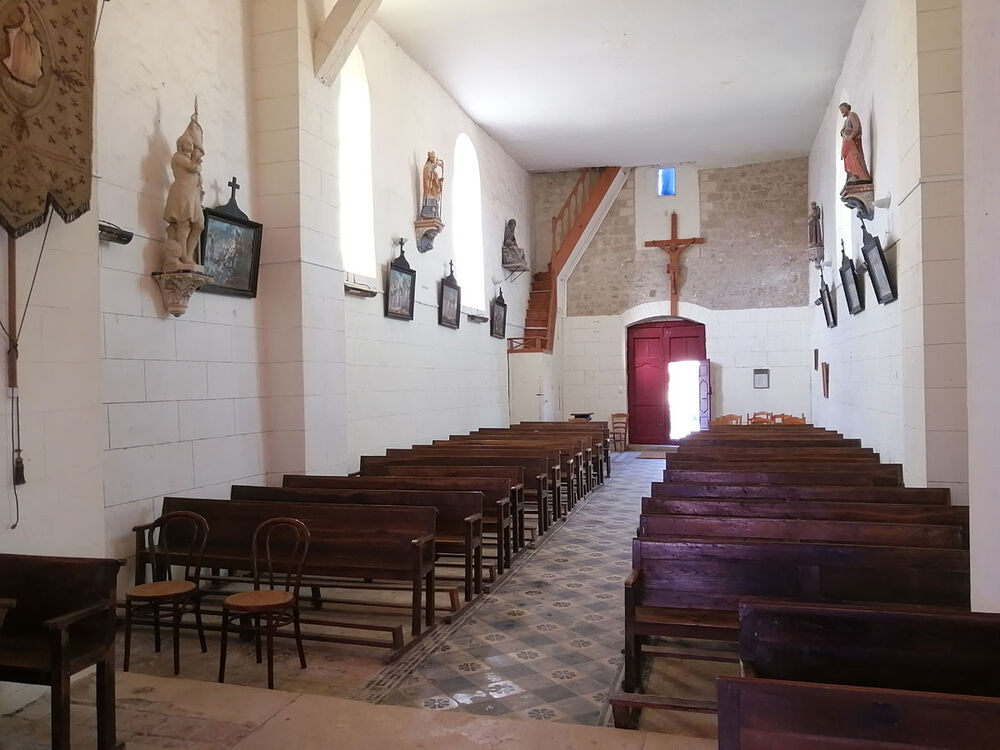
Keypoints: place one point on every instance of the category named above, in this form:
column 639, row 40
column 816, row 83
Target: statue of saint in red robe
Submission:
column 851, row 151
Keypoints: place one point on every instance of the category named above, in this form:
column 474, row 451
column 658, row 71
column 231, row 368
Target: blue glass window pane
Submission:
column 666, row 182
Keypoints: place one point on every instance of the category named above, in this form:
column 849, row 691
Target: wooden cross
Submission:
column 674, row 247
column 235, row 186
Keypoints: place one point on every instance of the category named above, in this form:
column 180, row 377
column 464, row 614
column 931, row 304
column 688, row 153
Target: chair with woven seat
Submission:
column 728, row 419
column 174, row 539
column 279, row 550
column 760, row 417
column 619, row 430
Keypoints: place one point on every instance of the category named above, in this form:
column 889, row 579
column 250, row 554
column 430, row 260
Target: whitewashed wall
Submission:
column 736, row 341
column 652, row 211
column 410, row 382
column 182, row 409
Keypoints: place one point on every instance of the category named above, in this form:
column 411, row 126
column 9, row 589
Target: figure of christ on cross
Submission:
column 674, row 247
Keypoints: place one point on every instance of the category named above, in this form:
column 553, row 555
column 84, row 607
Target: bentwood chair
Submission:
column 279, row 550
column 173, row 540
column 619, row 430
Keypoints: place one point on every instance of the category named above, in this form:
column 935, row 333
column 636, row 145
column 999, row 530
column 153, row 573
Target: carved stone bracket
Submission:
column 178, row 286
column 427, row 231
column 860, row 198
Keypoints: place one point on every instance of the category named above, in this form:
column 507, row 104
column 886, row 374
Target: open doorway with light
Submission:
column 668, row 381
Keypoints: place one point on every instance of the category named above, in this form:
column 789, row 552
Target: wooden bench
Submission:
column 593, row 439
column 691, row 588
column 60, row 620
column 513, row 474
column 831, row 510
column 879, row 533
column 355, row 542
column 458, row 529
column 498, row 511
column 812, row 491
column 833, row 476
column 757, row 714
column 536, row 472
column 599, row 429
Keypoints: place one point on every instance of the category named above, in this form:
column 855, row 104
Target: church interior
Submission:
column 570, row 280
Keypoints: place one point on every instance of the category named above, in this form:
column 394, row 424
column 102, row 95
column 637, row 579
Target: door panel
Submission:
column 704, row 393
column 651, row 347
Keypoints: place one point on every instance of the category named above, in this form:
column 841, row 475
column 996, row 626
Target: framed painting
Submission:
column 853, row 291
column 450, row 301
column 400, row 288
column 230, row 252
column 827, row 300
column 498, row 317
column 878, row 269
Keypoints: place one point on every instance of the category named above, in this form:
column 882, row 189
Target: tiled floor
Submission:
column 544, row 645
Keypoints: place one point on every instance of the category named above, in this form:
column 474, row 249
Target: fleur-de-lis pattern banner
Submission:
column 46, row 104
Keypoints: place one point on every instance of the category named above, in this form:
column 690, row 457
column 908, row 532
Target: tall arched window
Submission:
column 354, row 128
column 467, row 220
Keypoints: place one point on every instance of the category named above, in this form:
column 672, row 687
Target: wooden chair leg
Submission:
column 298, row 637
column 201, row 627
column 270, row 651
column 256, row 637
column 128, row 634
column 156, row 626
column 222, row 645
column 415, row 604
column 60, row 710
column 317, row 597
column 106, row 703
column 177, row 636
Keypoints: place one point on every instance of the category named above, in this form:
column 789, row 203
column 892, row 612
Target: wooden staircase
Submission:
column 567, row 229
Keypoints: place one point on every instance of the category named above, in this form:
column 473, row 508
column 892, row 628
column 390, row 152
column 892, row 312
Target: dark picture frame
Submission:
column 230, row 252
column 400, row 288
column 829, row 305
column 854, row 292
column 498, row 317
column 450, row 300
column 878, row 270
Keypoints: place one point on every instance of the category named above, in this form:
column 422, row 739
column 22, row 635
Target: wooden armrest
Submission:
column 7, row 603
column 421, row 541
column 142, row 527
column 473, row 518
column 64, row 621
column 632, row 578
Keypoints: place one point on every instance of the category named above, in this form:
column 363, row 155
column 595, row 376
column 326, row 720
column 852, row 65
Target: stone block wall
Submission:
column 549, row 190
column 753, row 219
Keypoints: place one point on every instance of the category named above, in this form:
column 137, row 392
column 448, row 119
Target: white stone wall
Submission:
column 736, row 341
column 182, row 410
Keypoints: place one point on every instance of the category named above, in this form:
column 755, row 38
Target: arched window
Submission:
column 467, row 220
column 354, row 128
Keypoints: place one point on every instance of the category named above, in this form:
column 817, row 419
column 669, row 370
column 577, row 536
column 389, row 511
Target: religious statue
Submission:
column 851, row 151
column 183, row 212
column 513, row 256
column 433, row 179
column 815, row 226
column 24, row 62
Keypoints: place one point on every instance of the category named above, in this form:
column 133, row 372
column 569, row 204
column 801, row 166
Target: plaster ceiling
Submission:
column 572, row 83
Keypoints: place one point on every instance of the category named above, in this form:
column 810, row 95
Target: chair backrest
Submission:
column 279, row 549
column 761, row 417
column 619, row 419
column 175, row 536
column 728, row 419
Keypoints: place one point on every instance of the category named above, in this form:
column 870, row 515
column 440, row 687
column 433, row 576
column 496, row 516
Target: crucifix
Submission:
column 674, row 247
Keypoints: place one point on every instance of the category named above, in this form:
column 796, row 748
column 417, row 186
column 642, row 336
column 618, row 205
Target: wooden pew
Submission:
column 458, row 529
column 595, row 439
column 513, row 474
column 498, row 503
column 816, row 509
column 691, row 588
column 901, row 648
column 598, row 428
column 891, row 477
column 60, row 620
column 777, row 441
column 759, row 714
column 814, row 491
column 542, row 471
column 356, row 542
column 889, row 534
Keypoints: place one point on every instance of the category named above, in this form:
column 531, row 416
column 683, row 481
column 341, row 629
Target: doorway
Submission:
column 657, row 352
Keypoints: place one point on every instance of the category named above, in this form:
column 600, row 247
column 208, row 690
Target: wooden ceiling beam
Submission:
column 338, row 35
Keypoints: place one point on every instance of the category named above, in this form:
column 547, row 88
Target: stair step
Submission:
column 543, row 276
column 537, row 316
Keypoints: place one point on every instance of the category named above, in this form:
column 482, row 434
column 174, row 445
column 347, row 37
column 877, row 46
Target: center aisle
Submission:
column 546, row 642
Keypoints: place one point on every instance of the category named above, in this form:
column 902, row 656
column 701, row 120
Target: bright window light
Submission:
column 666, row 181
column 354, row 127
column 467, row 220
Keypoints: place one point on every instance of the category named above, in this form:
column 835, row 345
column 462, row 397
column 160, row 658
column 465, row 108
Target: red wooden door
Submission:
column 651, row 347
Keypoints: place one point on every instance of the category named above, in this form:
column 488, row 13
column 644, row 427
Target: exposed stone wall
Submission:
column 753, row 219
column 550, row 190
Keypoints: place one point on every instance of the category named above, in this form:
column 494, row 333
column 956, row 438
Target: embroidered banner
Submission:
column 46, row 104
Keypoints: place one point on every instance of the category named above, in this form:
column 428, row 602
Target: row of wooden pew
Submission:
column 800, row 545
column 405, row 520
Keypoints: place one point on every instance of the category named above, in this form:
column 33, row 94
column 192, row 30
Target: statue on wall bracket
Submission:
column 815, row 224
column 858, row 192
column 182, row 275
column 428, row 224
